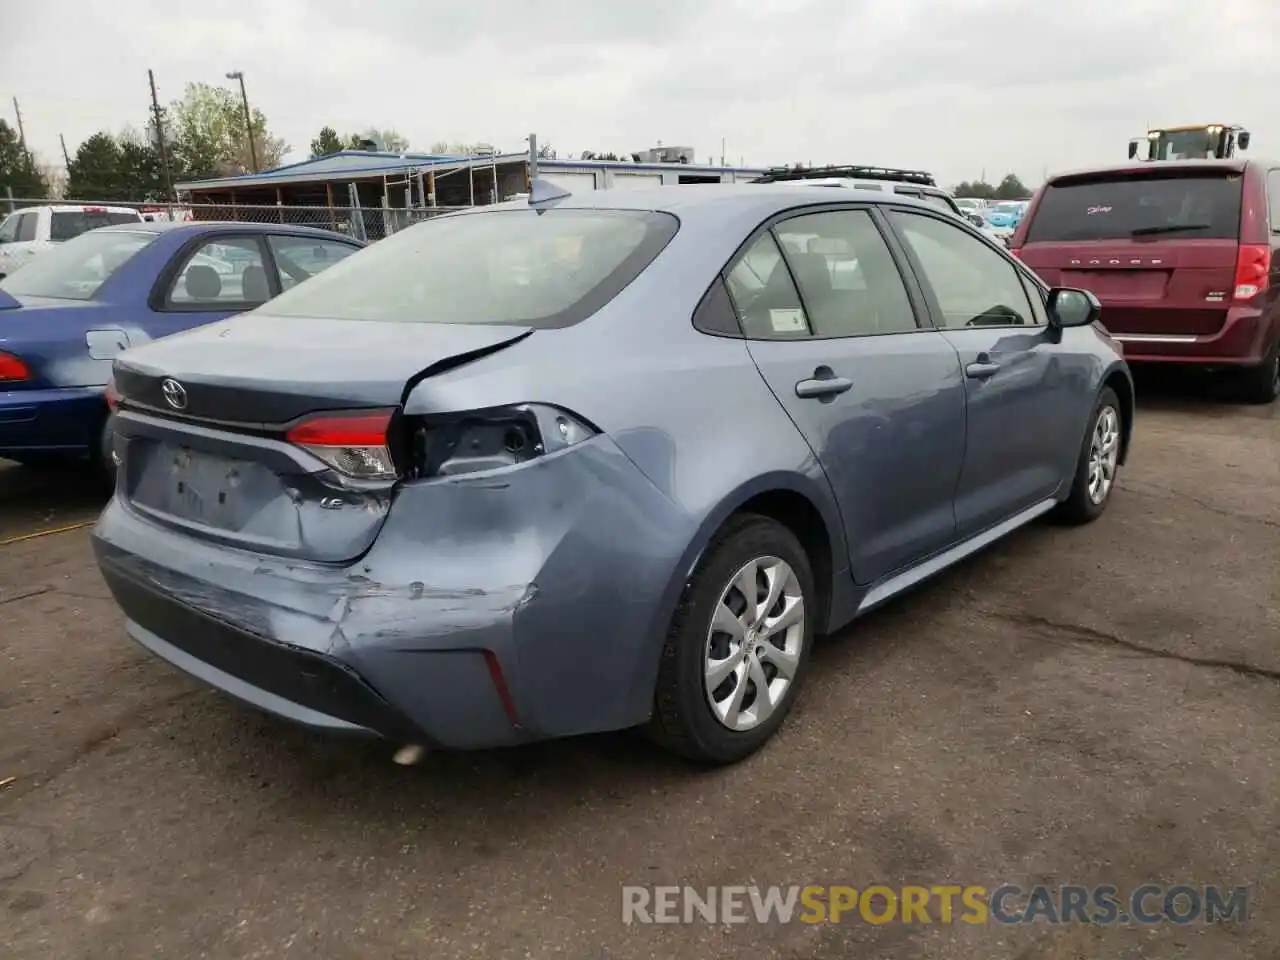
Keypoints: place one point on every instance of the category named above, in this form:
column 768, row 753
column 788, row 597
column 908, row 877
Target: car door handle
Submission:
column 821, row 387
column 981, row 369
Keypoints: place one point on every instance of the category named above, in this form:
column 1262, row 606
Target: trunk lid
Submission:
column 1146, row 287
column 209, row 455
column 1157, row 245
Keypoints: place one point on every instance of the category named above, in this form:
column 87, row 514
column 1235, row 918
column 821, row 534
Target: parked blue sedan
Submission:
column 65, row 316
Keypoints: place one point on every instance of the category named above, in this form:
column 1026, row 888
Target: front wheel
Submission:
column 736, row 654
column 1098, row 464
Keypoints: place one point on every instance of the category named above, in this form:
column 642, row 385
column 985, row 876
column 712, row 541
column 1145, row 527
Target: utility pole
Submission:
column 22, row 133
column 533, row 156
column 160, row 144
column 248, row 118
column 66, row 157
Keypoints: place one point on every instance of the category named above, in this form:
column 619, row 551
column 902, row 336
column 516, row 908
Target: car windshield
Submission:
column 1196, row 206
column 535, row 268
column 69, row 224
column 76, row 269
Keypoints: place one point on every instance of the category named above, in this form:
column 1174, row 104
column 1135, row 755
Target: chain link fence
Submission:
column 361, row 223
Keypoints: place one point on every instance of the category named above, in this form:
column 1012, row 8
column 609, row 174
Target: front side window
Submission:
column 847, row 276
column 538, row 268
column 974, row 286
column 27, row 223
column 764, row 294
column 222, row 273
column 76, row 269
column 301, row 258
column 9, row 229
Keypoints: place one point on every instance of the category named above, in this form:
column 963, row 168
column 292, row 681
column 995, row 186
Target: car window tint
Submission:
column 1199, row 204
column 974, row 285
column 849, row 282
column 68, row 224
column 225, row 272
column 27, row 224
column 300, row 258
column 764, row 294
column 1273, row 192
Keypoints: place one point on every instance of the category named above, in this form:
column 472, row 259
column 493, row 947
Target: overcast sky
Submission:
column 957, row 87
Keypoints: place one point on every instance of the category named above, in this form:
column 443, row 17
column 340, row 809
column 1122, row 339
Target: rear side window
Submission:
column 1179, row 206
column 67, row 224
column 27, row 224
column 545, row 269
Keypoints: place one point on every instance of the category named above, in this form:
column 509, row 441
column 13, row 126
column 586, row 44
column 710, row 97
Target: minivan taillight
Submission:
column 354, row 444
column 1253, row 265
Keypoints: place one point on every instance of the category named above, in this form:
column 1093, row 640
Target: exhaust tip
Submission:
column 409, row 754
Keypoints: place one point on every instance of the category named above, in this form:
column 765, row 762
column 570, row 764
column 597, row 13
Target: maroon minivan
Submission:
column 1184, row 255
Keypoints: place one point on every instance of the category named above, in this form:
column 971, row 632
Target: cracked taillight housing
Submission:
column 461, row 443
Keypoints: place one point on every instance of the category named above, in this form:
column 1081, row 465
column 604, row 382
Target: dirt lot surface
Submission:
column 1087, row 706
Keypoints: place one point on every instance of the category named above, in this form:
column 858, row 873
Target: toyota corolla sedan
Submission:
column 589, row 463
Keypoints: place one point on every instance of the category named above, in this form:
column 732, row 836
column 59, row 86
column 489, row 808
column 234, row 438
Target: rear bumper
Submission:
column 63, row 420
column 1243, row 340
column 487, row 613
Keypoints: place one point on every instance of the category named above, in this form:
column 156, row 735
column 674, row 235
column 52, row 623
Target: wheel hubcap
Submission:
column 754, row 643
column 1104, row 453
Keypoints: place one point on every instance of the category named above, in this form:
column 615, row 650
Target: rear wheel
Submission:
column 1261, row 384
column 736, row 654
column 1098, row 463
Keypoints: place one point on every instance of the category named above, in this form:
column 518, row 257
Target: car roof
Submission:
column 202, row 226
column 735, row 198
column 1143, row 168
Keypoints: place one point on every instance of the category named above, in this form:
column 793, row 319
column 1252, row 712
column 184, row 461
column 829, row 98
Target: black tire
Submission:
column 683, row 720
column 102, row 461
column 1080, row 506
column 1261, row 384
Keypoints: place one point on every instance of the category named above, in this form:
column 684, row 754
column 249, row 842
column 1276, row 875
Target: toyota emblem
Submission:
column 174, row 393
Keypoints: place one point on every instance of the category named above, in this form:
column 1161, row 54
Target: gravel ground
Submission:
column 1087, row 706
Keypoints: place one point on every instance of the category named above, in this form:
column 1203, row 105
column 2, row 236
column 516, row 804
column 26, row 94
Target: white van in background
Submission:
column 32, row 230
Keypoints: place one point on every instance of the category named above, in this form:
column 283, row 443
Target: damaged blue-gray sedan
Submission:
column 586, row 463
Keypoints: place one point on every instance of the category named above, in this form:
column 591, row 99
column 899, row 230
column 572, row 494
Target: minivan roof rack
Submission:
column 780, row 174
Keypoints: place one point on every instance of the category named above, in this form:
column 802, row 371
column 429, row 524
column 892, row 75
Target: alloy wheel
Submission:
column 1104, row 453
column 754, row 643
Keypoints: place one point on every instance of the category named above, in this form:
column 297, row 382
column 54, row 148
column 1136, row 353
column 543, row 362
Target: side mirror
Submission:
column 1242, row 141
column 1133, row 149
column 1069, row 307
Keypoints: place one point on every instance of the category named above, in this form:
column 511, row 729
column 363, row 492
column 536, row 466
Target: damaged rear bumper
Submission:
column 493, row 609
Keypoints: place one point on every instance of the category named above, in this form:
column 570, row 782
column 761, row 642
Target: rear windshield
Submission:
column 522, row 267
column 76, row 269
column 68, row 224
column 1192, row 207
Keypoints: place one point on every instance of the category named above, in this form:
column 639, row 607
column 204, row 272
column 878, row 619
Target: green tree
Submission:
column 18, row 171
column 978, row 189
column 390, row 140
column 97, row 170
column 141, row 169
column 210, row 136
column 326, row 142
column 1011, row 188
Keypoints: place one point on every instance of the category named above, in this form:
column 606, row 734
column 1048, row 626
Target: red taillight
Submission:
column 1252, row 268
column 112, row 395
column 1013, row 252
column 354, row 444
column 12, row 368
